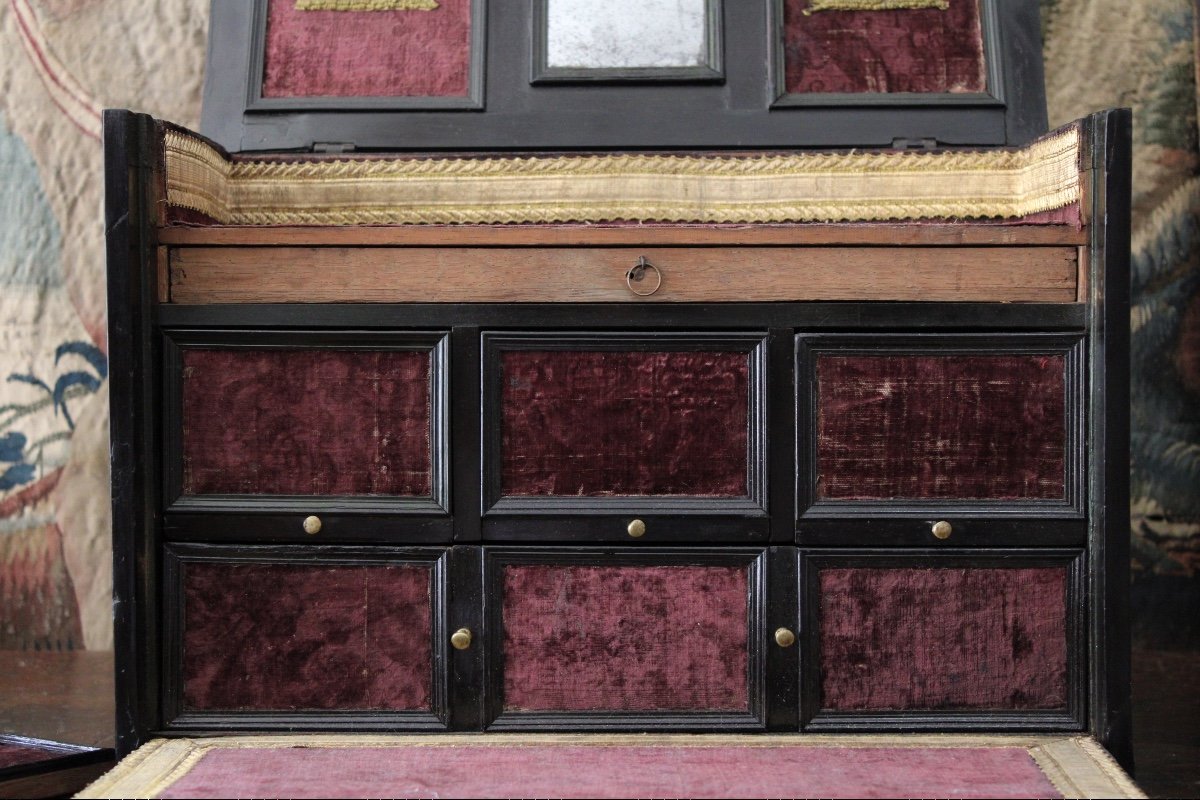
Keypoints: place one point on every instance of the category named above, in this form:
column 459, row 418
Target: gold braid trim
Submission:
column 873, row 5
column 802, row 187
column 366, row 5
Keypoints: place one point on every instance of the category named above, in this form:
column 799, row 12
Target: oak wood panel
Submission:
column 746, row 274
column 933, row 234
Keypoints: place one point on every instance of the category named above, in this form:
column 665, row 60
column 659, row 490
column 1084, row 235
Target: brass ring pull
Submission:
column 637, row 274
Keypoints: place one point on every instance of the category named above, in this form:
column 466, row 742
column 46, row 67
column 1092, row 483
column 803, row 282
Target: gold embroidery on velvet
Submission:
column 796, row 187
column 873, row 5
column 366, row 5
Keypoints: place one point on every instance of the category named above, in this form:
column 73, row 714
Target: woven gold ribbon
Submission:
column 873, row 5
column 366, row 5
column 794, row 187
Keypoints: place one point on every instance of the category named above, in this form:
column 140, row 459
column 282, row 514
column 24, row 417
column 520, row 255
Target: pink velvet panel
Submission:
column 293, row 637
column 320, row 422
column 581, row 638
column 367, row 53
column 615, row 771
column 939, row 427
column 908, row 50
column 943, row 638
column 624, row 423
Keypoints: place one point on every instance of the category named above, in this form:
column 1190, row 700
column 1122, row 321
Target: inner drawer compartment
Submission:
column 283, row 637
column 893, row 423
column 259, row 420
column 584, row 424
column 929, row 638
column 625, row 638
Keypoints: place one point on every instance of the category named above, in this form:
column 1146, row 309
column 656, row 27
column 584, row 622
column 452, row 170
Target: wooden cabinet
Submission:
column 734, row 475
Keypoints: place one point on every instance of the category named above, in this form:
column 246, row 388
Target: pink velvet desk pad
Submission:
column 614, row 771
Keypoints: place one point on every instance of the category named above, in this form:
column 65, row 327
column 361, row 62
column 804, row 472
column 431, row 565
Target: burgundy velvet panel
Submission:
column 292, row 637
column 624, row 423
column 321, row 422
column 614, row 771
column 939, row 427
column 582, row 638
column 943, row 638
column 909, row 50
column 13, row 754
column 408, row 53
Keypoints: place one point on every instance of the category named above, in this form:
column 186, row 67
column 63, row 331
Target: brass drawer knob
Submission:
column 461, row 639
column 637, row 529
column 784, row 637
column 942, row 529
column 312, row 525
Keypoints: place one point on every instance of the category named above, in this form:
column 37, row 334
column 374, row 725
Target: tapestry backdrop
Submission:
column 62, row 61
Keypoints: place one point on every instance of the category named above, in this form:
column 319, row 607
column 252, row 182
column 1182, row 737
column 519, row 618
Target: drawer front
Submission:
column 941, row 424
column 625, row 638
column 278, row 637
column 586, row 426
column 257, row 419
column 200, row 275
column 922, row 639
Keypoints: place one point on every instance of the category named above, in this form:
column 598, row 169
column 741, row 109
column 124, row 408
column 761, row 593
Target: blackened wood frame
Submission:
column 516, row 114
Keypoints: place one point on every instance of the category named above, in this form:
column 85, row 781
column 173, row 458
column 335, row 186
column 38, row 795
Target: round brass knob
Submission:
column 942, row 529
column 312, row 525
column 461, row 639
column 637, row 529
column 784, row 637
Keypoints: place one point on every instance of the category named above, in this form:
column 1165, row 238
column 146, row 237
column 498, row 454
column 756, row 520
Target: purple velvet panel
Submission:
column 943, row 638
column 909, row 50
column 367, row 53
column 323, row 422
column 624, row 423
column 289, row 637
column 614, row 771
column 579, row 638
column 937, row 427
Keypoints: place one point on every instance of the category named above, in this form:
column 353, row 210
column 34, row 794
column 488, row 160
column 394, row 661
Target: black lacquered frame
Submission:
column 516, row 106
column 754, row 561
column 907, row 521
column 815, row 719
column 753, row 344
column 276, row 516
column 176, row 716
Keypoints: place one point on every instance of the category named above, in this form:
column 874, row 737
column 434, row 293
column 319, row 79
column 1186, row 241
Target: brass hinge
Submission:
column 914, row 144
column 333, row 147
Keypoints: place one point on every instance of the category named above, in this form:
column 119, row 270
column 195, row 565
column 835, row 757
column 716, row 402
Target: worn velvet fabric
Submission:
column 407, row 53
column 615, row 771
column 290, row 637
column 319, row 422
column 941, row 638
column 941, row 427
column 908, row 50
column 624, row 423
column 13, row 754
column 582, row 638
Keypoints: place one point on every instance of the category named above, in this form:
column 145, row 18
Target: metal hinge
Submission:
column 914, row 144
column 333, row 147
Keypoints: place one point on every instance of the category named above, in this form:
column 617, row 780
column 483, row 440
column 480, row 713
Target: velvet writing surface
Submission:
column 942, row 638
column 614, row 771
column 309, row 422
column 941, row 427
column 402, row 53
column 582, row 638
column 591, row 423
column 270, row 637
column 924, row 50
